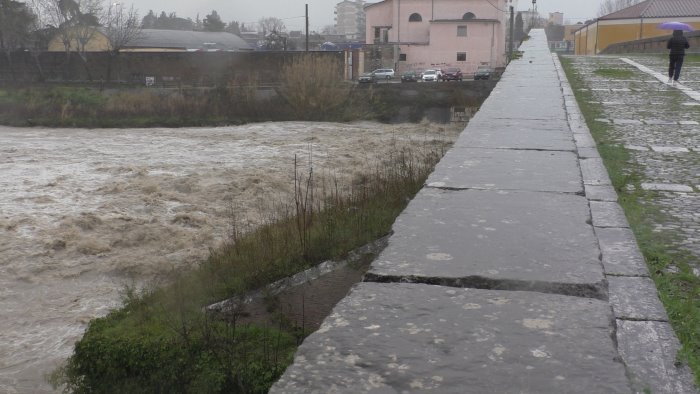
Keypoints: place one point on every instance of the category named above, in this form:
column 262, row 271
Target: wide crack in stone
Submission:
column 597, row 290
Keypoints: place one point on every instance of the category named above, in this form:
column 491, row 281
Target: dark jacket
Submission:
column 678, row 43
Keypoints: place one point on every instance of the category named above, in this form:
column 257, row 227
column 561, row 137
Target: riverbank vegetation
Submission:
column 670, row 268
column 312, row 91
column 164, row 340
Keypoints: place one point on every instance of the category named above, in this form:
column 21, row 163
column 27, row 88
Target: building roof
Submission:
column 658, row 9
column 189, row 40
column 462, row 21
column 367, row 5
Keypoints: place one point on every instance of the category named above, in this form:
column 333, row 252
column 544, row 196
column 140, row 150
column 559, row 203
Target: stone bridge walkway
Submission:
column 513, row 271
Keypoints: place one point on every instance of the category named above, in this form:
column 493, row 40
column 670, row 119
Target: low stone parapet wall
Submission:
column 652, row 45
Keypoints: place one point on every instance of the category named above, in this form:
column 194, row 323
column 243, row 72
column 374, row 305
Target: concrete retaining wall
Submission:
column 167, row 68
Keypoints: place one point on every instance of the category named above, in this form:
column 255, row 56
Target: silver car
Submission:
column 383, row 73
column 432, row 75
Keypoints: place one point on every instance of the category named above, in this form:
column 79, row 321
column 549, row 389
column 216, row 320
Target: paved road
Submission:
column 513, row 271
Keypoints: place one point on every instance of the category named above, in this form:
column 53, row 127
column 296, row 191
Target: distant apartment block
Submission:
column 350, row 19
column 556, row 18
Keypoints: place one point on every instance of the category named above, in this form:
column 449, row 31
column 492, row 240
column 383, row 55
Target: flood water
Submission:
column 84, row 213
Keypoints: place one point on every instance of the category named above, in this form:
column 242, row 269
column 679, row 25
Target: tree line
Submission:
column 31, row 25
column 610, row 6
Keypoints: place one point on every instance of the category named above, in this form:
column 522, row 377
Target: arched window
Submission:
column 415, row 17
column 468, row 15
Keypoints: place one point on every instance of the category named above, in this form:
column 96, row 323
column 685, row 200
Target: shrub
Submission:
column 313, row 87
column 125, row 352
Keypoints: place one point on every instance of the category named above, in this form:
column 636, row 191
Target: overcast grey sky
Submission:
column 320, row 11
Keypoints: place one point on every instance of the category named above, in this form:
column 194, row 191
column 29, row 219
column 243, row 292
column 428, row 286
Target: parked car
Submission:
column 410, row 76
column 452, row 74
column 432, row 75
column 482, row 73
column 384, row 73
column 367, row 78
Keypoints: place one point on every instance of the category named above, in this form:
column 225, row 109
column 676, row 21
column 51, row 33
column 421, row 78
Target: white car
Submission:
column 432, row 75
column 383, row 73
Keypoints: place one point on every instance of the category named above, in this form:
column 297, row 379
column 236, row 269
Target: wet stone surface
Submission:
column 458, row 341
column 506, row 169
column 620, row 253
column 663, row 146
column 494, row 239
column 649, row 348
column 635, row 298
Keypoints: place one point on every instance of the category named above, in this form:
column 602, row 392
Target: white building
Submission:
column 350, row 19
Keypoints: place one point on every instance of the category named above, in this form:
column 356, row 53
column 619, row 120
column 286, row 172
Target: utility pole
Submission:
column 512, row 33
column 307, row 27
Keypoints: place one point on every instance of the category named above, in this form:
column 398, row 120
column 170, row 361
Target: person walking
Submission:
column 677, row 44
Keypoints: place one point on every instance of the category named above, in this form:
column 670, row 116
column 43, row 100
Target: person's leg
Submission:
column 677, row 70
column 671, row 66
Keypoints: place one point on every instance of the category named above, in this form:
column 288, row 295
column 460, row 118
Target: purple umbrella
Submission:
column 674, row 26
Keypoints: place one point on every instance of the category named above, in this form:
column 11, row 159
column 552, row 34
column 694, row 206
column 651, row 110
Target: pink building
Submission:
column 441, row 33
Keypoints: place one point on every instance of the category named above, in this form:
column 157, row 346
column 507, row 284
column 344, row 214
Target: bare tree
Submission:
column 610, row 6
column 85, row 22
column 271, row 24
column 121, row 26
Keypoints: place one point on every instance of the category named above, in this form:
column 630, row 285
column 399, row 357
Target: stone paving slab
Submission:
column 497, row 122
column 390, row 338
column 516, row 138
column 608, row 214
column 494, row 239
column 505, row 169
column 649, row 350
column 601, row 193
column 588, row 153
column 594, row 172
column 530, row 107
column 670, row 149
column 620, row 253
column 667, row 187
column 584, row 140
column 635, row 298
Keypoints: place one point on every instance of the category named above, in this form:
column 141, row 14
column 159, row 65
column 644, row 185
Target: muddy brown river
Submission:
column 85, row 213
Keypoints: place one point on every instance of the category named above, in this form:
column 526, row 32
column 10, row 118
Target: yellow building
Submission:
column 96, row 41
column 635, row 23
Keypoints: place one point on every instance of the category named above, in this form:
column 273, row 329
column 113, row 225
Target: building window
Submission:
column 468, row 16
column 415, row 18
column 461, row 56
column 461, row 31
column 402, row 57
